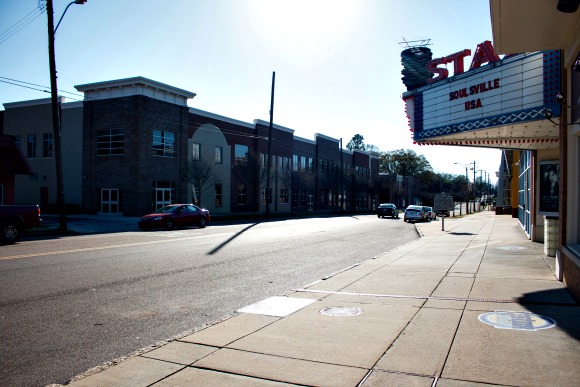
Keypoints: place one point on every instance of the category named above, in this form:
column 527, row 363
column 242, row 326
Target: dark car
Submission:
column 415, row 214
column 387, row 209
column 175, row 215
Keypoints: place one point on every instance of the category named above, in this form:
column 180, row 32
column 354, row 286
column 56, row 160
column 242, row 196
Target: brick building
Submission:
column 133, row 145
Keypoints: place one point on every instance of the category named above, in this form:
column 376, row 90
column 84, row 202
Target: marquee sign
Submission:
column 515, row 89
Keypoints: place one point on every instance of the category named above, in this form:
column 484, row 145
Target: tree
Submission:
column 357, row 142
column 404, row 162
column 200, row 175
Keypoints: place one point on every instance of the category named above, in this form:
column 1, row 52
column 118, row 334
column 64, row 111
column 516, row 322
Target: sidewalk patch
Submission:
column 341, row 311
column 277, row 306
column 512, row 248
column 520, row 321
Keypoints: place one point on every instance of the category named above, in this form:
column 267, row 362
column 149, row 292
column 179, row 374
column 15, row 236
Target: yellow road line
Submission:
column 107, row 247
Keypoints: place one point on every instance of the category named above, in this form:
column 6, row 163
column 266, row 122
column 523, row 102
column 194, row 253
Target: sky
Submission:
column 337, row 63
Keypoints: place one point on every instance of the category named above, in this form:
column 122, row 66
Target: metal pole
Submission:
column 270, row 146
column 341, row 179
column 466, row 192
column 56, row 120
column 474, row 186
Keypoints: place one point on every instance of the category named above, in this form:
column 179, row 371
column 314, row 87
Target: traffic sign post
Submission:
column 443, row 202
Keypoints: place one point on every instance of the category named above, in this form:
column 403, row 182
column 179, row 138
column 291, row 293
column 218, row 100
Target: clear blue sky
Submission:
column 337, row 63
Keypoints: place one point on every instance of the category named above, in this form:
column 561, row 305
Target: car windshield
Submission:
column 386, row 206
column 167, row 209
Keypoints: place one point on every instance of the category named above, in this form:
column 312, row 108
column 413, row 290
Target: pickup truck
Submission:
column 14, row 219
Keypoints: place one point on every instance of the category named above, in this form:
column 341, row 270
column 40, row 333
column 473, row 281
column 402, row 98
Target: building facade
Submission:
column 552, row 174
column 525, row 103
column 133, row 145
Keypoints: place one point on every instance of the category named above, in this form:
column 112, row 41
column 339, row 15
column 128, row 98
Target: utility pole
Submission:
column 341, row 179
column 269, row 167
column 56, row 120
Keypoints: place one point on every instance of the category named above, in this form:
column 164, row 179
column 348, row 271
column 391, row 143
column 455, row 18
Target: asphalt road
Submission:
column 73, row 303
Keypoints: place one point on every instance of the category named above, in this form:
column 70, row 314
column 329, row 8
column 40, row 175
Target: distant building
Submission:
column 133, row 145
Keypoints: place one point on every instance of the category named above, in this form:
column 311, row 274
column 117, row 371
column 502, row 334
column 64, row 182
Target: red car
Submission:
column 175, row 215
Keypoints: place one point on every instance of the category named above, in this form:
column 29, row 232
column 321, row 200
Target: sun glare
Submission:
column 303, row 28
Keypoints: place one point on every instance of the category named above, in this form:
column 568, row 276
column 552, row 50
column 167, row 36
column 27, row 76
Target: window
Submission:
column 195, row 152
column 310, row 164
column 163, row 193
column 219, row 155
column 110, row 142
column 18, row 141
column 284, row 195
column 263, row 160
column 163, row 143
column 109, row 201
column 283, row 163
column 264, row 197
column 241, row 195
column 295, row 163
column 241, row 155
column 218, row 195
column 31, row 146
column 47, row 145
column 302, row 163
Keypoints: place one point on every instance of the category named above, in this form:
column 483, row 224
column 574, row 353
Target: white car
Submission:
column 430, row 214
column 414, row 214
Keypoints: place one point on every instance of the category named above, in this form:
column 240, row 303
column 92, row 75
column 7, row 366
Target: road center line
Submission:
column 109, row 247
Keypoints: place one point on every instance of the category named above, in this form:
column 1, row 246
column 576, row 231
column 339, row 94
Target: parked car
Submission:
column 429, row 213
column 14, row 219
column 414, row 214
column 175, row 215
column 387, row 209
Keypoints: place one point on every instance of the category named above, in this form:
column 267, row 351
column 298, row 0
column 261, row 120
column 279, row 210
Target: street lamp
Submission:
column 466, row 188
column 56, row 111
column 473, row 169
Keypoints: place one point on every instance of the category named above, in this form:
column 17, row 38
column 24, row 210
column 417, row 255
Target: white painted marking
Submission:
column 277, row 306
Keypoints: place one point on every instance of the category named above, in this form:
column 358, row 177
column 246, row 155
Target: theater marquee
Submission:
column 487, row 105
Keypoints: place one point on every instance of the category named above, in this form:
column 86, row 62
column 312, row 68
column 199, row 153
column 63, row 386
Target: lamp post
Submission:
column 473, row 169
column 466, row 189
column 56, row 129
column 480, row 187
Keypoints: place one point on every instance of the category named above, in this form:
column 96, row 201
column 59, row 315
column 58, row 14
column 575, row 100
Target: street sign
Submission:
column 443, row 202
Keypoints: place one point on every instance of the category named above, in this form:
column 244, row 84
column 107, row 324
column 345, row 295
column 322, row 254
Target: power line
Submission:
column 22, row 23
column 44, row 89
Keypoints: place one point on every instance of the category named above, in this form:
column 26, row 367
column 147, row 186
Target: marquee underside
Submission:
column 530, row 135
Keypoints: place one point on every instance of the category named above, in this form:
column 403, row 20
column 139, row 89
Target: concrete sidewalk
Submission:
column 476, row 303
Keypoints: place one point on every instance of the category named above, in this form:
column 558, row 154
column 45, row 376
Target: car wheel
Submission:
column 169, row 225
column 202, row 222
column 10, row 233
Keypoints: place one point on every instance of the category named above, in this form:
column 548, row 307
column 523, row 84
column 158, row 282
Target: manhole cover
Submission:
column 520, row 321
column 341, row 311
column 512, row 248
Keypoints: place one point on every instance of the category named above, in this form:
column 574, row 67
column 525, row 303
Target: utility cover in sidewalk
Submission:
column 521, row 321
column 277, row 306
column 341, row 311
